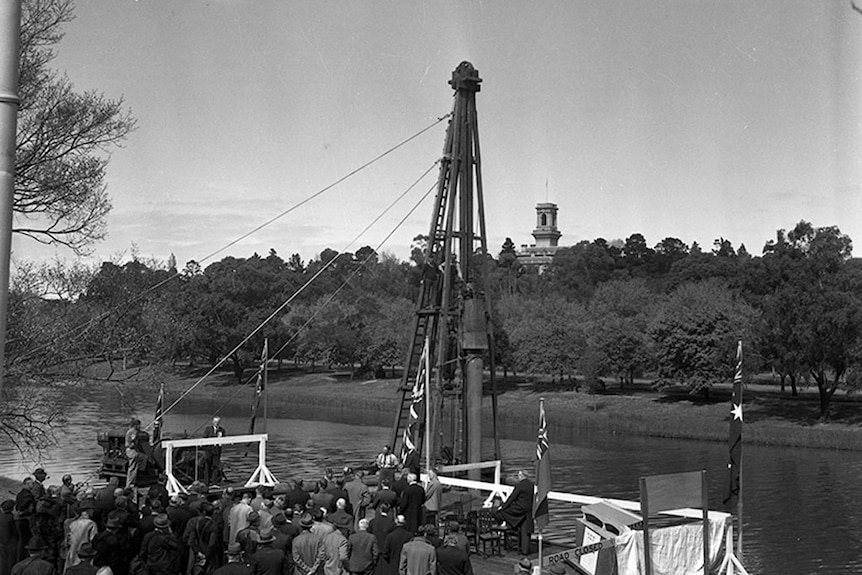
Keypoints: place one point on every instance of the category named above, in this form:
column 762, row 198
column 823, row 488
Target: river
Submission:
column 802, row 507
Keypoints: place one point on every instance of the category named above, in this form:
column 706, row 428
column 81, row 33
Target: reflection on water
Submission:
column 803, row 508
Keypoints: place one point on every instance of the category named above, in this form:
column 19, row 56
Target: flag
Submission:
column 259, row 389
column 157, row 420
column 734, row 442
column 543, row 471
column 410, row 439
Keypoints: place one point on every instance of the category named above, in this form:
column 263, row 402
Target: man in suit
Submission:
column 358, row 495
column 212, row 463
column 341, row 519
column 418, row 557
column 363, row 550
column 268, row 560
column 336, row 548
column 411, row 505
column 84, row 557
column 517, row 511
column 8, row 537
column 381, row 526
column 234, row 565
column 390, row 553
column 451, row 560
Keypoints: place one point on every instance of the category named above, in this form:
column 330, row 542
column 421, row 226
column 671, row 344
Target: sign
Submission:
column 574, row 554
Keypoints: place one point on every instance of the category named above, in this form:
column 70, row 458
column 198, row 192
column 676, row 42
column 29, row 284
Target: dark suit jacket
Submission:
column 411, row 506
column 453, row 561
column 380, row 527
column 363, row 552
column 391, row 551
column 8, row 543
column 384, row 496
column 33, row 566
column 519, row 505
column 269, row 561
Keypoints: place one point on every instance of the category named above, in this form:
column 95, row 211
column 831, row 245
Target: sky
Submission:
column 690, row 119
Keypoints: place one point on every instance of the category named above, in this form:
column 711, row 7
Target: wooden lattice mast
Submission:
column 453, row 312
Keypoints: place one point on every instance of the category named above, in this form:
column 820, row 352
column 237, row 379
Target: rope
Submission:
column 84, row 327
column 302, row 288
column 354, row 272
column 342, row 286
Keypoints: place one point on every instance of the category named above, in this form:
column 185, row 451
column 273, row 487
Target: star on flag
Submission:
column 737, row 411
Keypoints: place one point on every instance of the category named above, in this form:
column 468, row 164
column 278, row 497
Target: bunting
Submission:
column 417, row 405
column 157, row 419
column 734, row 443
column 543, row 471
column 259, row 389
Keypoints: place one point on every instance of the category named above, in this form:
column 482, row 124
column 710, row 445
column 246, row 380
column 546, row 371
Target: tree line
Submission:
column 599, row 311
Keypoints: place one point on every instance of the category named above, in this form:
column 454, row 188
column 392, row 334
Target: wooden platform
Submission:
column 558, row 535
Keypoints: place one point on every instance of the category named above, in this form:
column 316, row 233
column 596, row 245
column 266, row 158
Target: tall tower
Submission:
column 452, row 331
column 546, row 233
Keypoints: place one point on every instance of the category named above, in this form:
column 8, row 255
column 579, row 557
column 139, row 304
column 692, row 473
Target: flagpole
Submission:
column 265, row 381
column 427, row 407
column 540, row 550
column 739, row 499
column 538, row 458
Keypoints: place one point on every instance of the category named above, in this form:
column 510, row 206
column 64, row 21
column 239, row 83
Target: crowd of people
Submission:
column 334, row 526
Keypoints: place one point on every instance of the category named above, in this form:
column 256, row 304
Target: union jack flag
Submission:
column 157, row 420
column 543, row 471
column 410, row 439
column 261, row 385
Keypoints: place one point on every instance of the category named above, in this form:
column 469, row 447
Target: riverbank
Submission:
column 770, row 418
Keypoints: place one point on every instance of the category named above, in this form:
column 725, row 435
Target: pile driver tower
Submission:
column 453, row 310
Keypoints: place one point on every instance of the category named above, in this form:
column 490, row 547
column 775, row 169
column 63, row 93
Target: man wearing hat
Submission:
column 38, row 487
column 234, row 565
column 109, row 547
column 82, row 530
column 160, row 551
column 308, row 551
column 84, row 564
column 133, row 452
column 267, row 560
column 249, row 537
column 523, row 567
column 34, row 564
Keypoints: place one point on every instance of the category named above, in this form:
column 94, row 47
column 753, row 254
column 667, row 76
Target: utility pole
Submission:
column 10, row 48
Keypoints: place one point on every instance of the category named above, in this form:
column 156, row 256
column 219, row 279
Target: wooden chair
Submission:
column 674, row 491
column 469, row 527
column 486, row 534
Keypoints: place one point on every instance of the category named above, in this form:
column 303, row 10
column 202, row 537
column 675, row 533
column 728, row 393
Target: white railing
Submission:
column 261, row 475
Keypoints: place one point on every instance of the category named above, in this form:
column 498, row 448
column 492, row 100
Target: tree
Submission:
column 546, row 334
column 63, row 140
column 577, row 270
column 695, row 334
column 617, row 342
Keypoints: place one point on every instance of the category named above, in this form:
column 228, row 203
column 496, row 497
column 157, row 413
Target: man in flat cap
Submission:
column 34, row 564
